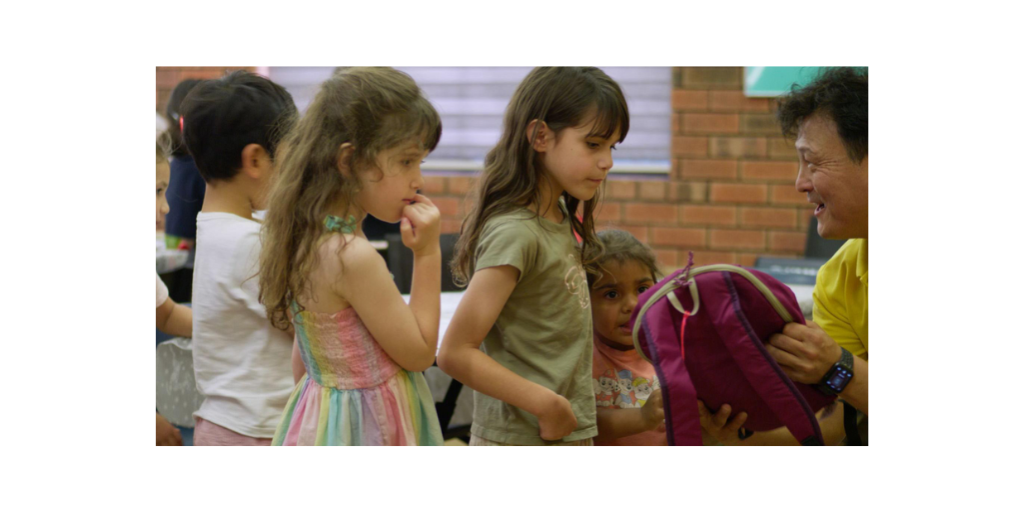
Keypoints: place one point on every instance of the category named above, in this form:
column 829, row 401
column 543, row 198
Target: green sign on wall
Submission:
column 771, row 81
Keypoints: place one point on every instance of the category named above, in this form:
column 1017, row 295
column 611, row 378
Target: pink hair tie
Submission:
column 181, row 123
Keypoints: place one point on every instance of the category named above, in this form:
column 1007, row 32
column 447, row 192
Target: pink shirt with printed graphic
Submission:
column 623, row 380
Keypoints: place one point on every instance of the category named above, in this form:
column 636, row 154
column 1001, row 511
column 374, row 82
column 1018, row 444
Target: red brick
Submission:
column 433, row 185
column 451, row 225
column 448, row 206
column 721, row 169
column 653, row 190
column 688, row 238
column 640, row 232
column 710, row 258
column 666, row 257
column 768, row 217
column 658, row 213
column 737, row 147
column 788, row 194
column 459, row 185
column 621, row 189
column 780, row 147
column 688, row 192
column 608, row 212
column 711, row 123
column 167, row 78
column 738, row 193
column 736, row 101
column 774, row 171
column 803, row 218
column 747, row 259
column 711, row 215
column 689, row 100
column 713, row 78
column 466, row 205
column 787, row 241
column 689, row 146
column 737, row 239
column 760, row 124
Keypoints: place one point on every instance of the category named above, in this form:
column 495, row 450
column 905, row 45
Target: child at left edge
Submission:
column 171, row 317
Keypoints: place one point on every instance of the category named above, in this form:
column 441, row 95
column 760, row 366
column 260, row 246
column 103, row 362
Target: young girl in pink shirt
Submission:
column 629, row 406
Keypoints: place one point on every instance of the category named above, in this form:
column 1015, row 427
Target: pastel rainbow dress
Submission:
column 353, row 393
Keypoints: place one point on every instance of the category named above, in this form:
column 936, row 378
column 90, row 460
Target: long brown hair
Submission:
column 561, row 97
column 373, row 109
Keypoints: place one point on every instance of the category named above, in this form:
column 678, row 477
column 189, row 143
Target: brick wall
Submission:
column 168, row 77
column 729, row 197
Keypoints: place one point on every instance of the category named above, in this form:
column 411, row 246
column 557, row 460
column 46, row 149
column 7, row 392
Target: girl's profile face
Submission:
column 387, row 190
column 613, row 298
column 163, row 177
column 578, row 161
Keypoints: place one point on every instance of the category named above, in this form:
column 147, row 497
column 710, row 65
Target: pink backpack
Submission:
column 704, row 330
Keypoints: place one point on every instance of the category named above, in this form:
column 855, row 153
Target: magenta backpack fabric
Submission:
column 722, row 359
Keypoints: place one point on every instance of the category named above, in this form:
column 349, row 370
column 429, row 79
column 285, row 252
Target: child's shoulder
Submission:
column 353, row 252
column 222, row 224
column 225, row 236
column 517, row 221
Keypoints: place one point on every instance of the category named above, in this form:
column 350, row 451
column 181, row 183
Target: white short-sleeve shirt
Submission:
column 242, row 363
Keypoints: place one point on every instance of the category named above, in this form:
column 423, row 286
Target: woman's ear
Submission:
column 538, row 134
column 344, row 163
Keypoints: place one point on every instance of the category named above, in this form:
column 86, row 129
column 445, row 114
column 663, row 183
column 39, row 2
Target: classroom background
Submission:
column 704, row 167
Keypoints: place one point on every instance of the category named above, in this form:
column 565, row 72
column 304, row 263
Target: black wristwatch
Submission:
column 839, row 375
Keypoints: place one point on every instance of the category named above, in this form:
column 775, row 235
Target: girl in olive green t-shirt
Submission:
column 527, row 303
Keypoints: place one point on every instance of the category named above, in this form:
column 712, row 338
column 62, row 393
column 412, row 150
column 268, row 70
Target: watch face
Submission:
column 839, row 379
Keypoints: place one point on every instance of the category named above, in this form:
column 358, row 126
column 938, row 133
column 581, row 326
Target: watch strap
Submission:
column 845, row 362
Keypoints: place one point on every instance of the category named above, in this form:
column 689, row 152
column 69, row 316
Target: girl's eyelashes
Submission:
column 597, row 145
column 612, row 294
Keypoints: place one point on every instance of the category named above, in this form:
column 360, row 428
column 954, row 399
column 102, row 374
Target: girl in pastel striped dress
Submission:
column 356, row 151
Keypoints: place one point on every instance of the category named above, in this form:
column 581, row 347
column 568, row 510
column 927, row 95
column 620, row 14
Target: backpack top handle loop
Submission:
column 665, row 290
column 692, row 284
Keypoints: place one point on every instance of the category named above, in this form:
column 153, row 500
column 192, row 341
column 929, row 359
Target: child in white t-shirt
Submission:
column 231, row 127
